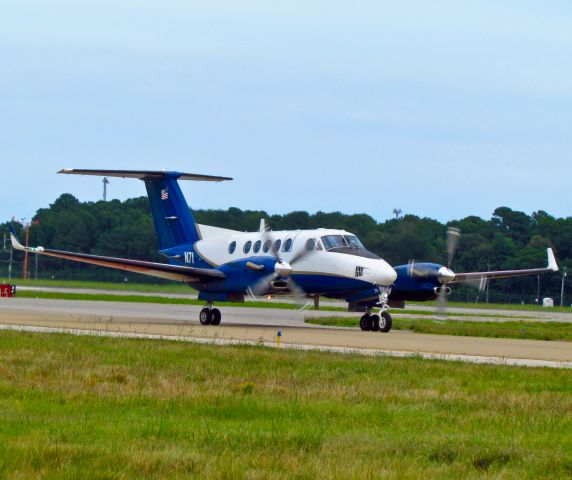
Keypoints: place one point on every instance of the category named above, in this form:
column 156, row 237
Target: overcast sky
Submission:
column 443, row 109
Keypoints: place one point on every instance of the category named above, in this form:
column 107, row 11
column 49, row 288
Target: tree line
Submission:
column 509, row 239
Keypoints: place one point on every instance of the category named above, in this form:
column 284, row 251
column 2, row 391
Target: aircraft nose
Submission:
column 385, row 275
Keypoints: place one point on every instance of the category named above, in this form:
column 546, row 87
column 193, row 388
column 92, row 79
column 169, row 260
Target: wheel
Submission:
column 216, row 316
column 205, row 316
column 365, row 323
column 375, row 323
column 385, row 322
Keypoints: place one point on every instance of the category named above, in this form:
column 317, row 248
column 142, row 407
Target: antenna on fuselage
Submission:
column 262, row 225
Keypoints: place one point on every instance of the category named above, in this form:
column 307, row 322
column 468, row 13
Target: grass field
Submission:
column 505, row 329
column 133, row 287
column 90, row 407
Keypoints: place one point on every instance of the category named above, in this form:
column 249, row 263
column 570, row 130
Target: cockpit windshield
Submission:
column 334, row 241
column 353, row 241
column 341, row 241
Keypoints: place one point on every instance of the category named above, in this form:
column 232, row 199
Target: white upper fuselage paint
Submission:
column 215, row 243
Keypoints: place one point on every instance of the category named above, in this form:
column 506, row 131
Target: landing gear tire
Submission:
column 206, row 316
column 375, row 323
column 365, row 323
column 385, row 322
column 216, row 316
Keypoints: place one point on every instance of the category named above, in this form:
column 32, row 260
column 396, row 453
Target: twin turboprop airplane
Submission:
column 225, row 265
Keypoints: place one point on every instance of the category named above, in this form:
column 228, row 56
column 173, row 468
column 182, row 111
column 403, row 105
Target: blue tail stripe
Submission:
column 173, row 220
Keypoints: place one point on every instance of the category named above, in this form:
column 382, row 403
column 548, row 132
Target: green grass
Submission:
column 502, row 306
column 89, row 407
column 134, row 287
column 505, row 329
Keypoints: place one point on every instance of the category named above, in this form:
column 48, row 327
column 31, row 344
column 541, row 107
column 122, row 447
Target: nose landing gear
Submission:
column 377, row 323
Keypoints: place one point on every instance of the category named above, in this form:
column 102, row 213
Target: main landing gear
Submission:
column 376, row 323
column 210, row 315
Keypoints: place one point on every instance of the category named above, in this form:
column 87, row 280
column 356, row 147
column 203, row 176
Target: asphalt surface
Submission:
column 473, row 314
column 261, row 325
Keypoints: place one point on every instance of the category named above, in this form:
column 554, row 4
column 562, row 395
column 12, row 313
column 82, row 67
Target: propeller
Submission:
column 282, row 269
column 453, row 237
column 445, row 274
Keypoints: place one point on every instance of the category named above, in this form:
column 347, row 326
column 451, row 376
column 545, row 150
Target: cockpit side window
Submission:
column 353, row 241
column 310, row 244
column 334, row 241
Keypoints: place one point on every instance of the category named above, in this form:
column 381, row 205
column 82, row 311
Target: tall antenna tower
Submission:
column 105, row 182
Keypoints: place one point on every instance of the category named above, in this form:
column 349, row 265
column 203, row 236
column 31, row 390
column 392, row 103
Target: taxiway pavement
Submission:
column 261, row 325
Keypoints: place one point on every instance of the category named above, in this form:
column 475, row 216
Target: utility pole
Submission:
column 564, row 275
column 11, row 258
column 25, row 272
column 105, row 182
column 538, row 291
column 10, row 264
column 487, row 284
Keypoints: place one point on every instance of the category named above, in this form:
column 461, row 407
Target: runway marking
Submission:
column 523, row 362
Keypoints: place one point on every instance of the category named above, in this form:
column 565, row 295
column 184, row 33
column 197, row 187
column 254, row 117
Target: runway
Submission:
column 260, row 325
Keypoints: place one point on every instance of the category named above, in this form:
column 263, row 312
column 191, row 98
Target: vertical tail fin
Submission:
column 174, row 222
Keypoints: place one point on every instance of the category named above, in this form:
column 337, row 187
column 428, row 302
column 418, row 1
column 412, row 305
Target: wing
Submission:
column 552, row 267
column 153, row 269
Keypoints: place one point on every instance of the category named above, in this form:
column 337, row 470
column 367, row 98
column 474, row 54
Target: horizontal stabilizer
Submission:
column 144, row 174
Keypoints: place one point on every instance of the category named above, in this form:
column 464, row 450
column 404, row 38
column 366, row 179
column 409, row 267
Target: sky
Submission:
column 443, row 109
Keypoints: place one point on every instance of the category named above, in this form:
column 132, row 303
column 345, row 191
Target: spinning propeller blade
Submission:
column 453, row 237
column 281, row 268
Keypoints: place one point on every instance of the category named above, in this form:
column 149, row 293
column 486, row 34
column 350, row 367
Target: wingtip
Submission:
column 552, row 260
column 14, row 239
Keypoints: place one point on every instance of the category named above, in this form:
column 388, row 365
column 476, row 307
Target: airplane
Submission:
column 224, row 265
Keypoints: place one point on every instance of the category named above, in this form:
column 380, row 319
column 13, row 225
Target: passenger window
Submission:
column 310, row 244
column 247, row 246
column 266, row 246
column 232, row 247
column 276, row 245
column 256, row 247
column 287, row 245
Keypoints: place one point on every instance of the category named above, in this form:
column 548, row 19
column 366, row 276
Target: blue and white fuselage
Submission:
column 326, row 262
